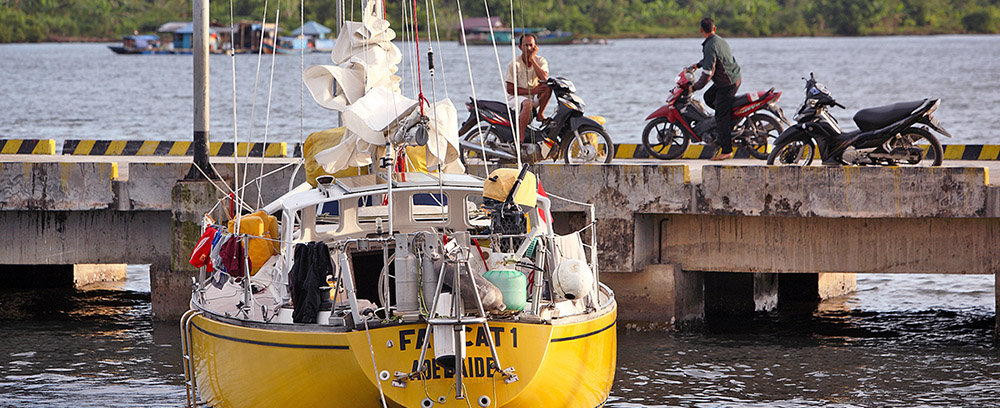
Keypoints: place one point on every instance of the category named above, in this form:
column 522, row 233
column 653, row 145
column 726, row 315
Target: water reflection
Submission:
column 898, row 341
column 87, row 348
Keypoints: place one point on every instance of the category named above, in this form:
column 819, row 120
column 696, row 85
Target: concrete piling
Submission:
column 171, row 288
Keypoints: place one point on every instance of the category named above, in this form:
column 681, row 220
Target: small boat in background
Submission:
column 286, row 45
column 138, row 44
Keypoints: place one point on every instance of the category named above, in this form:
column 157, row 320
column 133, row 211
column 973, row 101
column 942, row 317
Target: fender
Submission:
column 661, row 112
column 793, row 133
column 577, row 122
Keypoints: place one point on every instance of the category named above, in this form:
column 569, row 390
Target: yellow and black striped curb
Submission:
column 163, row 148
column 27, row 146
column 697, row 151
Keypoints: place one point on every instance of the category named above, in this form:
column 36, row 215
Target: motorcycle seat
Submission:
column 881, row 116
column 750, row 97
column 498, row 107
column 495, row 106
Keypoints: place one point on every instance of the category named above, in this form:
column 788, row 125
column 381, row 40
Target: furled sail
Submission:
column 364, row 87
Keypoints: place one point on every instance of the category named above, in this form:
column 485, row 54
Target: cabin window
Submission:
column 329, row 213
column 372, row 207
column 426, row 207
column 474, row 211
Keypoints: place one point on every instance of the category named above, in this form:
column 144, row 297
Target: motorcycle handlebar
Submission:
column 837, row 104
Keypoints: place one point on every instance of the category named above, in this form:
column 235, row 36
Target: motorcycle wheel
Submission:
column 761, row 130
column 794, row 153
column 664, row 140
column 479, row 135
column 589, row 145
column 933, row 152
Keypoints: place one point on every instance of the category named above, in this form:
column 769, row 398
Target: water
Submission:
column 62, row 91
column 900, row 340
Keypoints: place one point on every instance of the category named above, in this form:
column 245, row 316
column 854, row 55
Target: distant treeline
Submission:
column 53, row 20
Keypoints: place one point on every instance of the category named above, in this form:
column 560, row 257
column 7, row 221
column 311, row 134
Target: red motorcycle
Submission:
column 757, row 116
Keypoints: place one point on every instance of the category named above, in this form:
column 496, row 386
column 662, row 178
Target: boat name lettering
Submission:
column 473, row 367
column 416, row 337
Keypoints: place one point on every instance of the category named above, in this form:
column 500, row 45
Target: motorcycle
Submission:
column 887, row 135
column 489, row 132
column 682, row 118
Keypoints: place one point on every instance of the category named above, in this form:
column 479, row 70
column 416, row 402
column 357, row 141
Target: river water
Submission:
column 904, row 341
column 84, row 91
column 899, row 340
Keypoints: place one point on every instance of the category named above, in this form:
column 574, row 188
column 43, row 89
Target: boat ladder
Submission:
column 459, row 259
column 190, row 384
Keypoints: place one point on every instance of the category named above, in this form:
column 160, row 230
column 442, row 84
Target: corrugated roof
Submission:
column 312, row 28
column 172, row 26
column 482, row 22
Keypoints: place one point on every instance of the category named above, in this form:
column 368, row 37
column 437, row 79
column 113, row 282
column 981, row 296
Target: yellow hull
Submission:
column 558, row 365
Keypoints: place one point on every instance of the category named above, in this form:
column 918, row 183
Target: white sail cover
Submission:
column 364, row 87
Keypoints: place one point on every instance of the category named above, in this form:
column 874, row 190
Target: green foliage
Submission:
column 981, row 21
column 43, row 20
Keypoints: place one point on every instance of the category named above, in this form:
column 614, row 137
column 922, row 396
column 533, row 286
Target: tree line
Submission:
column 57, row 20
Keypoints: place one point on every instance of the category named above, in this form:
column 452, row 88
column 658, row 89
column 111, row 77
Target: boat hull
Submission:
column 558, row 365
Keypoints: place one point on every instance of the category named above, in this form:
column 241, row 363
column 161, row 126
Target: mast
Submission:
column 200, row 52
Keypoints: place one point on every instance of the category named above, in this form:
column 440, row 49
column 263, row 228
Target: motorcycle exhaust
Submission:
column 465, row 144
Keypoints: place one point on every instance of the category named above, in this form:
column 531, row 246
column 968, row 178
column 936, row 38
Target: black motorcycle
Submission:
column 489, row 132
column 888, row 135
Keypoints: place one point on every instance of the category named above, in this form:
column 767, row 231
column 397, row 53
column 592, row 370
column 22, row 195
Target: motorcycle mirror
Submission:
column 812, row 77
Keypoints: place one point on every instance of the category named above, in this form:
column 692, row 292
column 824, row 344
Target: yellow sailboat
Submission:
column 557, row 351
column 374, row 285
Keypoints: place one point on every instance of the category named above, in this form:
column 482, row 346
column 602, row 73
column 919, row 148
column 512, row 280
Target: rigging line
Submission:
column 414, row 66
column 267, row 116
column 520, row 6
column 472, row 83
column 416, row 42
column 232, row 59
column 434, row 110
column 513, row 56
column 302, row 75
column 515, row 120
column 253, row 103
column 444, row 75
column 411, row 53
column 202, row 171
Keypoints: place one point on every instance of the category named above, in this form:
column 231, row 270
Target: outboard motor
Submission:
column 506, row 217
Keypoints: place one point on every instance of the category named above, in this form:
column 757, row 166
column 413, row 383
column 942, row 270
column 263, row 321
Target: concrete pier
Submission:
column 677, row 242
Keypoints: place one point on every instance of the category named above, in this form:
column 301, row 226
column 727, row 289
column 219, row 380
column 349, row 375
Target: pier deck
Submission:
column 673, row 235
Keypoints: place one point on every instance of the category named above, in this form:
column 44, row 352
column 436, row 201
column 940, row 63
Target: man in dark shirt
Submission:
column 720, row 66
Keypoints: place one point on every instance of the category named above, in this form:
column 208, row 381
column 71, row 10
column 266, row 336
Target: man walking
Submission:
column 719, row 65
column 525, row 78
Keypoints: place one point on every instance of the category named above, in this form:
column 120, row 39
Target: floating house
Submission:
column 247, row 35
column 486, row 31
column 316, row 34
column 477, row 29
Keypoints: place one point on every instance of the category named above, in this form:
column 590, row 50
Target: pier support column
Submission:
column 996, row 307
column 659, row 296
column 171, row 288
column 814, row 287
column 740, row 294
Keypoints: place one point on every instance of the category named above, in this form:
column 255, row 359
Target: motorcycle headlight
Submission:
column 573, row 102
column 565, row 83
